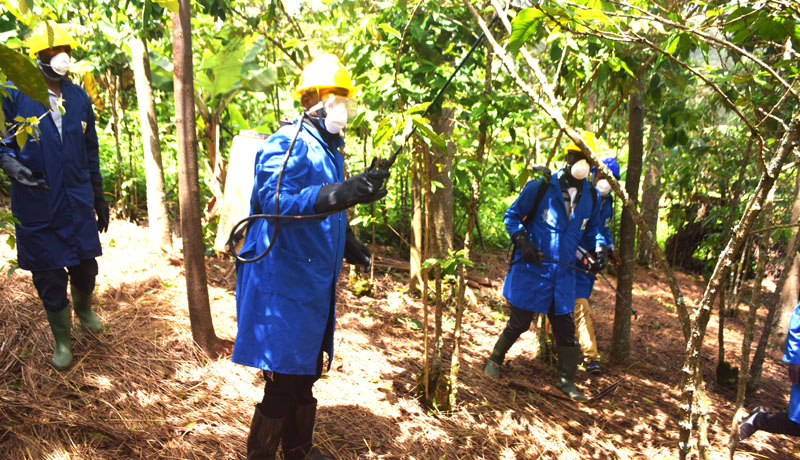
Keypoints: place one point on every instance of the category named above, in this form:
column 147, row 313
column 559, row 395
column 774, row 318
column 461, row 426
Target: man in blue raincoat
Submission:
column 285, row 302
column 56, row 190
column 781, row 422
column 538, row 283
column 584, row 282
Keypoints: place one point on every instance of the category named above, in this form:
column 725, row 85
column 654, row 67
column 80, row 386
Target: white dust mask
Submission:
column 603, row 187
column 580, row 169
column 338, row 110
column 60, row 63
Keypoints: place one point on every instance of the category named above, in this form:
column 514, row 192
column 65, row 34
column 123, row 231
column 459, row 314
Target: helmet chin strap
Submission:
column 48, row 72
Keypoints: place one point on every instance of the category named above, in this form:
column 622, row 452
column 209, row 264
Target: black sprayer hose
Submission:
column 379, row 163
column 590, row 273
column 238, row 229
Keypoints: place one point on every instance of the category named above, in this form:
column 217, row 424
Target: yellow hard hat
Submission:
column 48, row 34
column 588, row 137
column 325, row 71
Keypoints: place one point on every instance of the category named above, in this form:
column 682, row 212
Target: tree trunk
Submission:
column 113, row 83
column 157, row 216
column 788, row 283
column 621, row 335
column 651, row 193
column 441, row 210
column 417, row 213
column 787, row 287
column 188, row 184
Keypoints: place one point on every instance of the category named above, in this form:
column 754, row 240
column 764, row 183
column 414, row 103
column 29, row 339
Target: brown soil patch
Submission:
column 143, row 390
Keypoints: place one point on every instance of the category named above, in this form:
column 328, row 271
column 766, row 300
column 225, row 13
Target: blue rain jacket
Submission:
column 791, row 355
column 536, row 287
column 585, row 283
column 285, row 300
column 57, row 227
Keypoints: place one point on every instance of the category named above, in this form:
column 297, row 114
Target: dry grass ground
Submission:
column 143, row 390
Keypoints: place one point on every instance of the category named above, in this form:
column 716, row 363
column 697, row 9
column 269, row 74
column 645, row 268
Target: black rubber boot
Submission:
column 265, row 435
column 60, row 324
column 567, row 367
column 298, row 435
column 82, row 303
column 495, row 361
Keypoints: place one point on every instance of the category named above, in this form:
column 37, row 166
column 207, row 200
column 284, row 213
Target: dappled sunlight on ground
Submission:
column 143, row 390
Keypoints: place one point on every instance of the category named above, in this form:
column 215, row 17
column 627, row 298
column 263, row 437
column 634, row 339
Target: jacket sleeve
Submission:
column 521, row 207
column 296, row 198
column 791, row 352
column 606, row 214
column 9, row 147
column 90, row 140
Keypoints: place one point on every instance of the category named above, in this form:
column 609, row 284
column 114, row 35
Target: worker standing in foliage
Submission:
column 546, row 227
column 56, row 190
column 584, row 282
column 285, row 302
column 782, row 422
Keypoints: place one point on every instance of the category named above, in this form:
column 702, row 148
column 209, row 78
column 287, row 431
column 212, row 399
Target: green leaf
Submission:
column 172, row 5
column 672, row 44
column 11, row 241
column 22, row 138
column 389, row 30
column 522, row 29
column 425, row 131
column 589, row 15
column 24, row 74
column 618, row 64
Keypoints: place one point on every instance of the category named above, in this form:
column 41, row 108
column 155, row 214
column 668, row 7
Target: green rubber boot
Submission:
column 82, row 302
column 495, row 361
column 60, row 323
column 567, row 366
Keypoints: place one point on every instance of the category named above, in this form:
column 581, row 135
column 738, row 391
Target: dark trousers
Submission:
column 778, row 423
column 283, row 392
column 563, row 326
column 52, row 284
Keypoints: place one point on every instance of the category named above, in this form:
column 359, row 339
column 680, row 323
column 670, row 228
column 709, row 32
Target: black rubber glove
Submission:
column 594, row 261
column 17, row 171
column 100, row 206
column 527, row 248
column 600, row 259
column 361, row 188
column 356, row 253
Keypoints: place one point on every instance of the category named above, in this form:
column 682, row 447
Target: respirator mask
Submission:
column 603, row 187
column 336, row 111
column 580, row 169
column 58, row 66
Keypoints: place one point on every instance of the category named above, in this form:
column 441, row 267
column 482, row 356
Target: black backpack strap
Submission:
column 543, row 186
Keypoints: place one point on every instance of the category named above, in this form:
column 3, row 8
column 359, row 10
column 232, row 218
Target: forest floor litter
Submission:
column 144, row 390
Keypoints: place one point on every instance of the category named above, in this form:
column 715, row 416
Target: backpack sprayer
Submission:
column 238, row 230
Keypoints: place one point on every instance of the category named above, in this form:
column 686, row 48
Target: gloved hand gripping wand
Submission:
column 587, row 272
column 385, row 164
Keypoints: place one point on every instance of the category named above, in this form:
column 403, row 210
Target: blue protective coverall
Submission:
column 57, row 228
column 285, row 303
column 584, row 282
column 791, row 355
column 536, row 287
